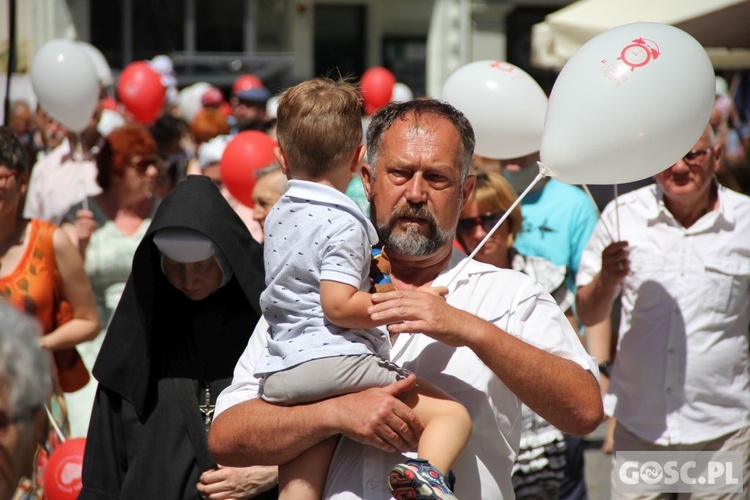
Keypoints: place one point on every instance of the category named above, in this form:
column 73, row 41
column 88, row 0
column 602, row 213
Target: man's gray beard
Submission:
column 411, row 242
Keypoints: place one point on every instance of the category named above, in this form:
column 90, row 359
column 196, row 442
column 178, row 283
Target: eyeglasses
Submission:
column 486, row 221
column 7, row 175
column 696, row 155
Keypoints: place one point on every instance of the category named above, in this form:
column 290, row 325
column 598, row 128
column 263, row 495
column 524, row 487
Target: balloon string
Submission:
column 497, row 225
column 81, row 176
column 593, row 201
column 54, row 424
column 617, row 211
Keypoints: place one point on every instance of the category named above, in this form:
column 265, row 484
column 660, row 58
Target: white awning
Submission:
column 721, row 26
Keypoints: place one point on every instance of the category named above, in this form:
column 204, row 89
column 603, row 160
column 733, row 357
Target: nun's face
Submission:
column 197, row 280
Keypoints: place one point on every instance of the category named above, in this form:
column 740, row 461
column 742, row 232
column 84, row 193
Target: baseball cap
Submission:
column 255, row 94
column 212, row 97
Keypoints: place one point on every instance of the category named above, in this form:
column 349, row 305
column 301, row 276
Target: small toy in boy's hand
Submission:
column 380, row 269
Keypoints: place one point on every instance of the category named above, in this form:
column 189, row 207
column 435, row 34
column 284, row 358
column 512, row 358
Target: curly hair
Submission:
column 12, row 153
column 120, row 147
column 207, row 124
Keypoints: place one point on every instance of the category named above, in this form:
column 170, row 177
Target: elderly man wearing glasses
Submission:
column 682, row 263
column 25, row 385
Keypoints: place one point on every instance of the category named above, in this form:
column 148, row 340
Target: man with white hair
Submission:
column 680, row 380
column 25, row 385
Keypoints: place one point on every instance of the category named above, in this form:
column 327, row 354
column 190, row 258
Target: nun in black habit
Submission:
column 169, row 351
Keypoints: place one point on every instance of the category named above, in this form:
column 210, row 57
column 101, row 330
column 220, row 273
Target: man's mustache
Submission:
column 410, row 211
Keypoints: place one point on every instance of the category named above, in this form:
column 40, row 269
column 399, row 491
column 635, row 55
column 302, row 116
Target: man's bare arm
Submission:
column 557, row 389
column 259, row 433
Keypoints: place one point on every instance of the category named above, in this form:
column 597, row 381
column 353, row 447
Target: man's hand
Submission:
column 594, row 300
column 377, row 417
column 615, row 264
column 417, row 311
column 237, row 483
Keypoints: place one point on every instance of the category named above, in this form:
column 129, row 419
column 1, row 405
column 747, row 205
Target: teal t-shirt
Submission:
column 356, row 191
column 557, row 223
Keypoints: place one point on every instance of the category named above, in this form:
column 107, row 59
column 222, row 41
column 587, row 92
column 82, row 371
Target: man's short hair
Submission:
column 385, row 117
column 24, row 366
column 319, row 124
column 12, row 153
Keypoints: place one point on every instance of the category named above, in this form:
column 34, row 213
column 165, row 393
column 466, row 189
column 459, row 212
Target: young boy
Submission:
column 321, row 340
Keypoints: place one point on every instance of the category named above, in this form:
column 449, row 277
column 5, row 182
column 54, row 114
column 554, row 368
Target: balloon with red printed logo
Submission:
column 62, row 474
column 141, row 91
column 376, row 86
column 248, row 152
column 504, row 105
column 629, row 104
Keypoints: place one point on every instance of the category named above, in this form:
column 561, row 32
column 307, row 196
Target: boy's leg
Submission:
column 304, row 478
column 447, row 424
column 447, row 430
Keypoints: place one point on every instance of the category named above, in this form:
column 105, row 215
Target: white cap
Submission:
column 163, row 65
column 184, row 245
column 209, row 153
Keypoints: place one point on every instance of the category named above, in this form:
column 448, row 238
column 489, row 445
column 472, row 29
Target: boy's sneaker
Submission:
column 418, row 479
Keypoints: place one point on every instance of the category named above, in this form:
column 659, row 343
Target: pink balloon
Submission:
column 376, row 85
column 247, row 152
column 141, row 91
column 62, row 475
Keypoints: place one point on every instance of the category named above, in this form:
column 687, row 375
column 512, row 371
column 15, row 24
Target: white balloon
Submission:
column 272, row 106
column 189, row 100
column 630, row 103
column 64, row 81
column 109, row 121
column 504, row 105
column 401, row 93
column 101, row 66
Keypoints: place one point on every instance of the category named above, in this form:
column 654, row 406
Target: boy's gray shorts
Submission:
column 328, row 377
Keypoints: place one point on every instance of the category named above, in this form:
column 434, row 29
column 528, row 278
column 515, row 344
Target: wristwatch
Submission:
column 605, row 369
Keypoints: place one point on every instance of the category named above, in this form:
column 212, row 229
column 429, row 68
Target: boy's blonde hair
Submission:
column 319, row 125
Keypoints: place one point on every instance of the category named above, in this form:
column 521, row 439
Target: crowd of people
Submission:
column 209, row 349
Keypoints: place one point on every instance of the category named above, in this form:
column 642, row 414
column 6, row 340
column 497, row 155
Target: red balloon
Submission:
column 246, row 82
column 247, row 152
column 62, row 475
column 376, row 85
column 141, row 91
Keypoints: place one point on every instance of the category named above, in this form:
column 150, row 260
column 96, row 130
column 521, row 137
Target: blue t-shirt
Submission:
column 557, row 223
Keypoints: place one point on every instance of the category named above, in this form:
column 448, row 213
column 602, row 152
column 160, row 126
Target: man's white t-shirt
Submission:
column 509, row 300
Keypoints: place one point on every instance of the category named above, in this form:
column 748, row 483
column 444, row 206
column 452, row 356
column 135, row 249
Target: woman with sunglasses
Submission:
column 41, row 274
column 539, row 468
column 107, row 229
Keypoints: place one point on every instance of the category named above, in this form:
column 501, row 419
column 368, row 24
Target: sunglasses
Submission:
column 142, row 164
column 486, row 221
column 696, row 155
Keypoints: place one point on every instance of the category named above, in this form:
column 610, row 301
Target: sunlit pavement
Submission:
column 598, row 466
